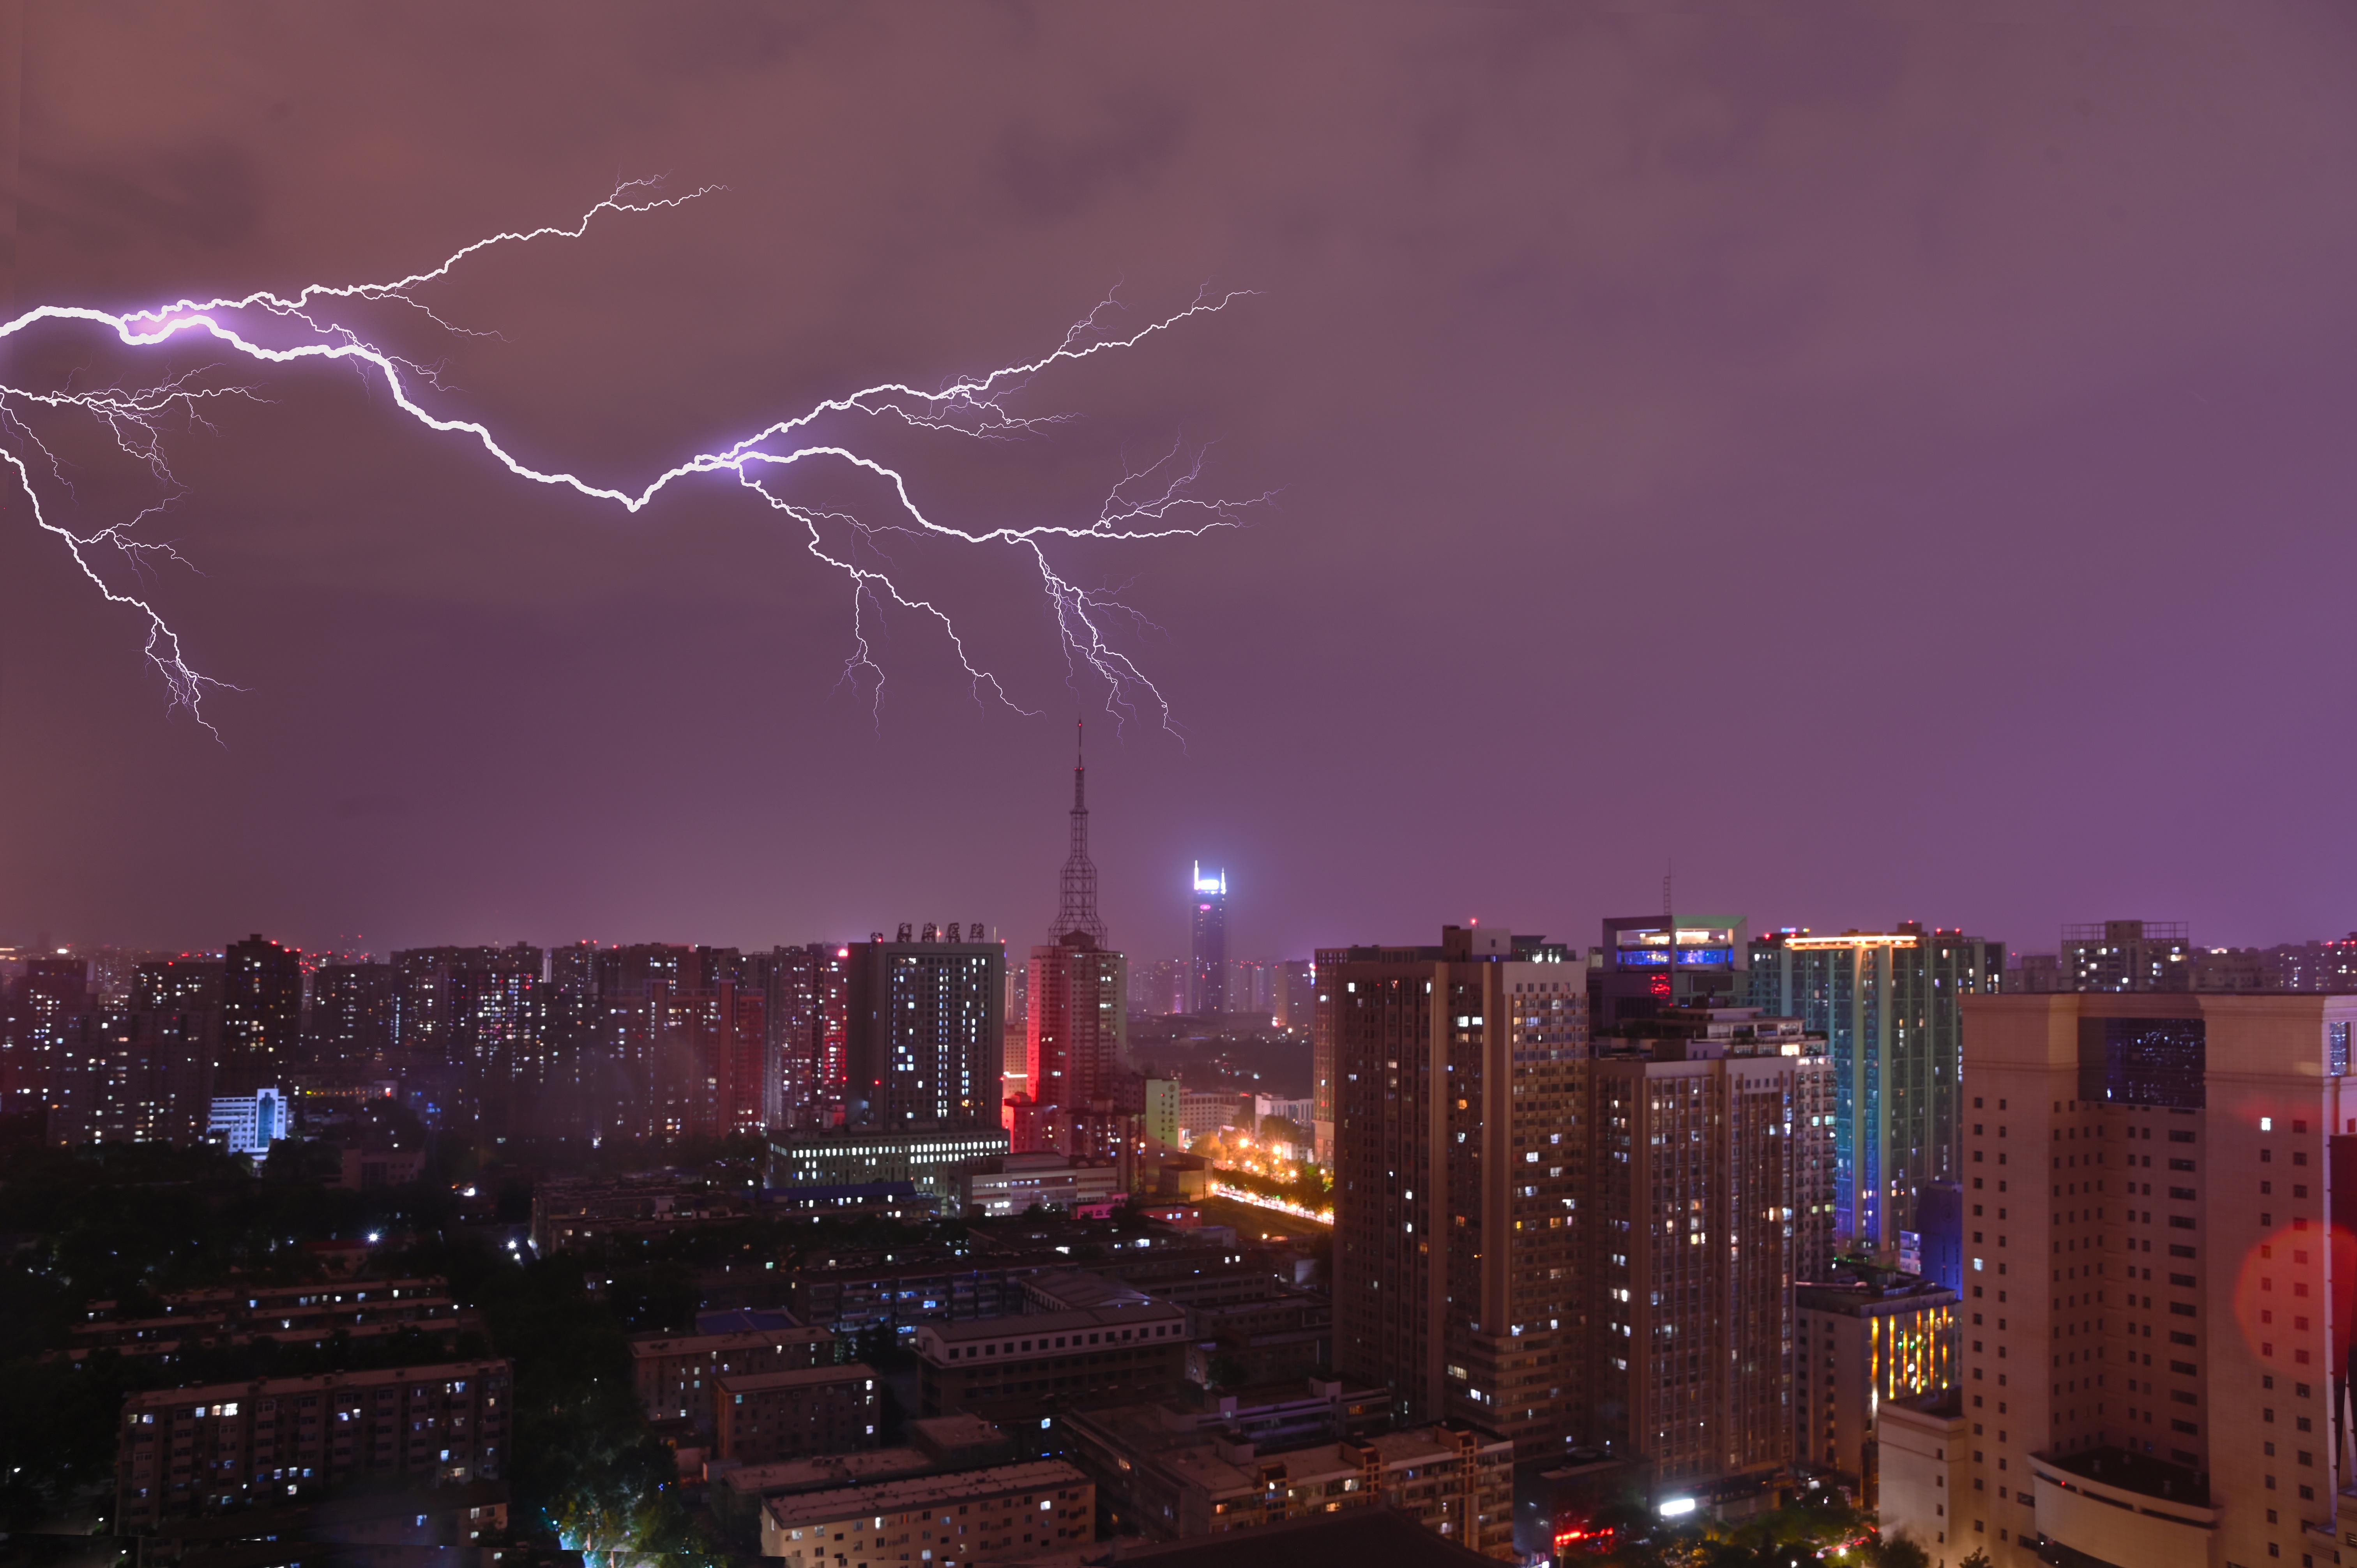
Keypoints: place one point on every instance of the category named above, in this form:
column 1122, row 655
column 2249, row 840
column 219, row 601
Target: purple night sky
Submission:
column 1893, row 461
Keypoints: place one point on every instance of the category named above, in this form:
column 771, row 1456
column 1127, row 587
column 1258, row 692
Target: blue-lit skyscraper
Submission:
column 1207, row 965
column 1888, row 1003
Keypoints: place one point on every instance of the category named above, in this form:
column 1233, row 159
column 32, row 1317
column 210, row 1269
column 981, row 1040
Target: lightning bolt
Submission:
column 1161, row 501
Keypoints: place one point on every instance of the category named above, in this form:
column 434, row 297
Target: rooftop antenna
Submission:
column 1077, row 908
column 1669, row 879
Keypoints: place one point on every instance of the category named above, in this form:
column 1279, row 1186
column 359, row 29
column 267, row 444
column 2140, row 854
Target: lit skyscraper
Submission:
column 1889, row 1005
column 1207, row 975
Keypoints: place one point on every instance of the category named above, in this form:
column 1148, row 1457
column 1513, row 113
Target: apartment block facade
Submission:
column 1457, row 1071
column 225, row 1446
column 1709, row 1153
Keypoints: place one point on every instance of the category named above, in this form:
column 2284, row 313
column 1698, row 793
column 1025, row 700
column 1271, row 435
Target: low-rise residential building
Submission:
column 305, row 1313
column 1018, row 1367
column 676, row 1374
column 952, row 1518
column 567, row 1214
column 1176, row 1478
column 765, row 1416
column 225, row 1446
column 936, row 1446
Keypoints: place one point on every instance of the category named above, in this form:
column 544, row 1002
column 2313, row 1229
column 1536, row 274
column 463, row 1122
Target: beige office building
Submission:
column 2153, row 1362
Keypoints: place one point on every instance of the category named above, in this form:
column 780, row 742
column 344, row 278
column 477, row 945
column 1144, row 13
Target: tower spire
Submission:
column 1076, row 911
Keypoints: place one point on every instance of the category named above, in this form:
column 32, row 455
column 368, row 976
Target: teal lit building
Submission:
column 1888, row 1003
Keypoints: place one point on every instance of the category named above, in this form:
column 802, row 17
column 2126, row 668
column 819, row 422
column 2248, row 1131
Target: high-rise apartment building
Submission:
column 1889, row 1005
column 2127, row 955
column 35, row 1013
column 261, row 1013
column 1207, row 964
column 924, row 1039
column 806, row 991
column 132, row 1077
column 710, row 1060
column 1458, row 1073
column 184, row 984
column 471, row 1021
column 351, row 1017
column 2174, row 1390
column 1707, row 1157
column 1653, row 963
column 1079, row 1023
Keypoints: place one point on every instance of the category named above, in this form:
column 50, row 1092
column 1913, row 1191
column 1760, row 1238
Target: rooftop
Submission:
column 1350, row 1539
column 646, row 1345
column 745, row 1319
column 789, row 1512
column 824, row 1472
column 2135, row 1473
column 1033, row 1324
column 799, row 1377
column 440, row 1371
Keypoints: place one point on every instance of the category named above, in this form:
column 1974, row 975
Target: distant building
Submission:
column 471, row 1019
column 1162, row 1101
column 178, row 984
column 1890, row 1006
column 1203, row 1112
column 261, row 1011
column 249, row 1124
column 852, row 1156
column 35, row 1012
column 710, row 1059
column 1297, row 994
column 1653, row 963
column 1166, row 987
column 223, row 1447
column 132, row 1077
column 351, row 1017
column 1251, row 987
column 2127, row 955
column 1207, row 972
column 1015, row 1183
column 807, row 996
